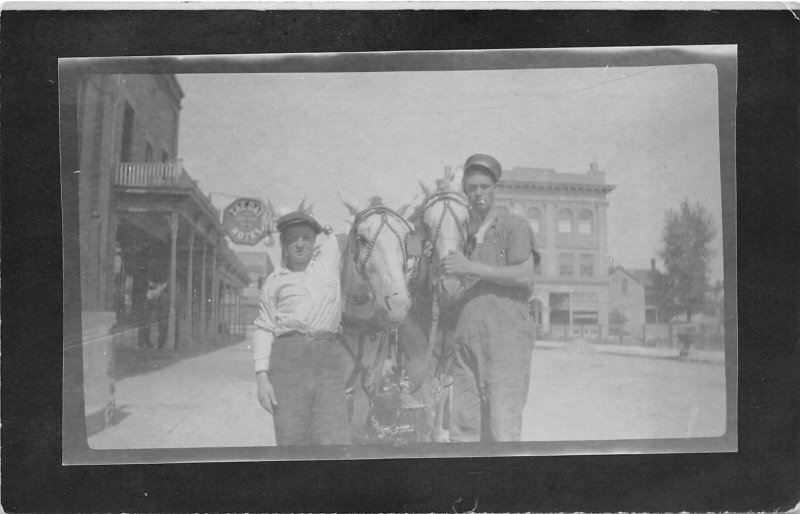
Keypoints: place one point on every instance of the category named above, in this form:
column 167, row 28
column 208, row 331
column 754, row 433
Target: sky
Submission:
column 287, row 136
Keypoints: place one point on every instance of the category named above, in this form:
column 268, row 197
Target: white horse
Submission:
column 376, row 300
column 442, row 221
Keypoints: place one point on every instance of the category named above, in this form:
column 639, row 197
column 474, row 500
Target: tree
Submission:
column 686, row 251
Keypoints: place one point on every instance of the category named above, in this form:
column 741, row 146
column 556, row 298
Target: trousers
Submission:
column 494, row 340
column 308, row 377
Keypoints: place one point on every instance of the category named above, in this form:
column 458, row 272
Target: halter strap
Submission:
column 384, row 213
column 446, row 197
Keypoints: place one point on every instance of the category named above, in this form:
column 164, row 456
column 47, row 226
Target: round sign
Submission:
column 247, row 220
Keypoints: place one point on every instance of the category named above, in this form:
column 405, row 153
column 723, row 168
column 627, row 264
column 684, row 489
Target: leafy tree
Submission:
column 686, row 251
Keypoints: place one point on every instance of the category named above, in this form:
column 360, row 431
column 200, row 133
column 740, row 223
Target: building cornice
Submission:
column 545, row 186
column 169, row 83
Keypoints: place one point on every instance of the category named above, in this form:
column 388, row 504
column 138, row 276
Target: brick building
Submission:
column 142, row 217
column 567, row 213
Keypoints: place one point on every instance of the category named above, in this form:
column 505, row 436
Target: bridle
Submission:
column 447, row 197
column 377, row 209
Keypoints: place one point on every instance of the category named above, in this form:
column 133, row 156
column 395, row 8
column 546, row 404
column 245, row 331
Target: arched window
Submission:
column 564, row 221
column 535, row 219
column 585, row 222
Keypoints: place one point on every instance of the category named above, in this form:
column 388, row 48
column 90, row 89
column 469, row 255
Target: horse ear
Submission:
column 302, row 206
column 425, row 189
column 448, row 173
column 351, row 206
column 402, row 210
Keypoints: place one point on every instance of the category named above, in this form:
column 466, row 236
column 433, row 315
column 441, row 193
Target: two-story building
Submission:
column 142, row 219
column 567, row 214
column 633, row 301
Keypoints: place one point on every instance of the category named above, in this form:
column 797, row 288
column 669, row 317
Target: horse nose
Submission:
column 397, row 305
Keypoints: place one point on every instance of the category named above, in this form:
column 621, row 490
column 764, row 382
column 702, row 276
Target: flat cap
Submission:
column 298, row 217
column 485, row 162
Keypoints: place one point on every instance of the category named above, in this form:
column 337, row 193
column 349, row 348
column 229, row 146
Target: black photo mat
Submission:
column 761, row 475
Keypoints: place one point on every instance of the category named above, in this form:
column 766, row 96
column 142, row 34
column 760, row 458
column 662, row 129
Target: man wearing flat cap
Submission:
column 494, row 333
column 300, row 365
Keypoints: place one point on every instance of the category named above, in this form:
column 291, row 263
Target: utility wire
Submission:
column 494, row 107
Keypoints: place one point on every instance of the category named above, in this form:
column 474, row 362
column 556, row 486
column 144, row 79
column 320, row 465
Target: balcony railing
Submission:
column 151, row 174
column 157, row 174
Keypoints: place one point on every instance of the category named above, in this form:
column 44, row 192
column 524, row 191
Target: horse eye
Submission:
column 361, row 240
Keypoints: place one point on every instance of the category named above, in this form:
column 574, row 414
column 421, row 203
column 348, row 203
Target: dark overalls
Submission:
column 308, row 373
column 493, row 338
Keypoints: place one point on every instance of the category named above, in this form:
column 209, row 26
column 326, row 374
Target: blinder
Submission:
column 413, row 245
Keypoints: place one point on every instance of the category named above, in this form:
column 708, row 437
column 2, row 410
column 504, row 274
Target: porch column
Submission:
column 238, row 312
column 203, row 296
column 242, row 330
column 173, row 283
column 214, row 295
column 189, row 288
column 224, row 302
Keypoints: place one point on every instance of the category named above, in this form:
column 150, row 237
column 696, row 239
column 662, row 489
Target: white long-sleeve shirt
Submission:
column 308, row 300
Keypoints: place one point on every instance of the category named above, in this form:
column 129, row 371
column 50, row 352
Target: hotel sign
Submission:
column 247, row 220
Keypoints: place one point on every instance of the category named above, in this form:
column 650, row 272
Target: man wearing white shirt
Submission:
column 299, row 363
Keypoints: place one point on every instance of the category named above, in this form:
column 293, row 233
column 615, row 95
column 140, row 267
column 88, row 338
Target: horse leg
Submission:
column 440, row 434
column 359, row 414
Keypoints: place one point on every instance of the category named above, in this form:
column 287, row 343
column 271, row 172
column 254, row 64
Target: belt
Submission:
column 311, row 334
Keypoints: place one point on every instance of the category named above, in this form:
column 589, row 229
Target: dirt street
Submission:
column 596, row 396
column 208, row 399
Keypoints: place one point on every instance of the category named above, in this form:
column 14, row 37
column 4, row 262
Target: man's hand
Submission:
column 266, row 394
column 457, row 264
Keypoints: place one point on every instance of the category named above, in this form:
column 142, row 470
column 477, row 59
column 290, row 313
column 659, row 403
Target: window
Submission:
column 585, row 222
column 535, row 219
column 587, row 265
column 564, row 221
column 624, row 285
column 148, row 152
column 164, row 156
column 566, row 264
column 127, row 134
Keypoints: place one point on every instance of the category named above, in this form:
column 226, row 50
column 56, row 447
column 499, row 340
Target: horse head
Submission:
column 442, row 218
column 374, row 278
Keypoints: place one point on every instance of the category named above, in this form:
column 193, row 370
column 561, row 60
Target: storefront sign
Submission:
column 247, row 220
column 584, row 317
